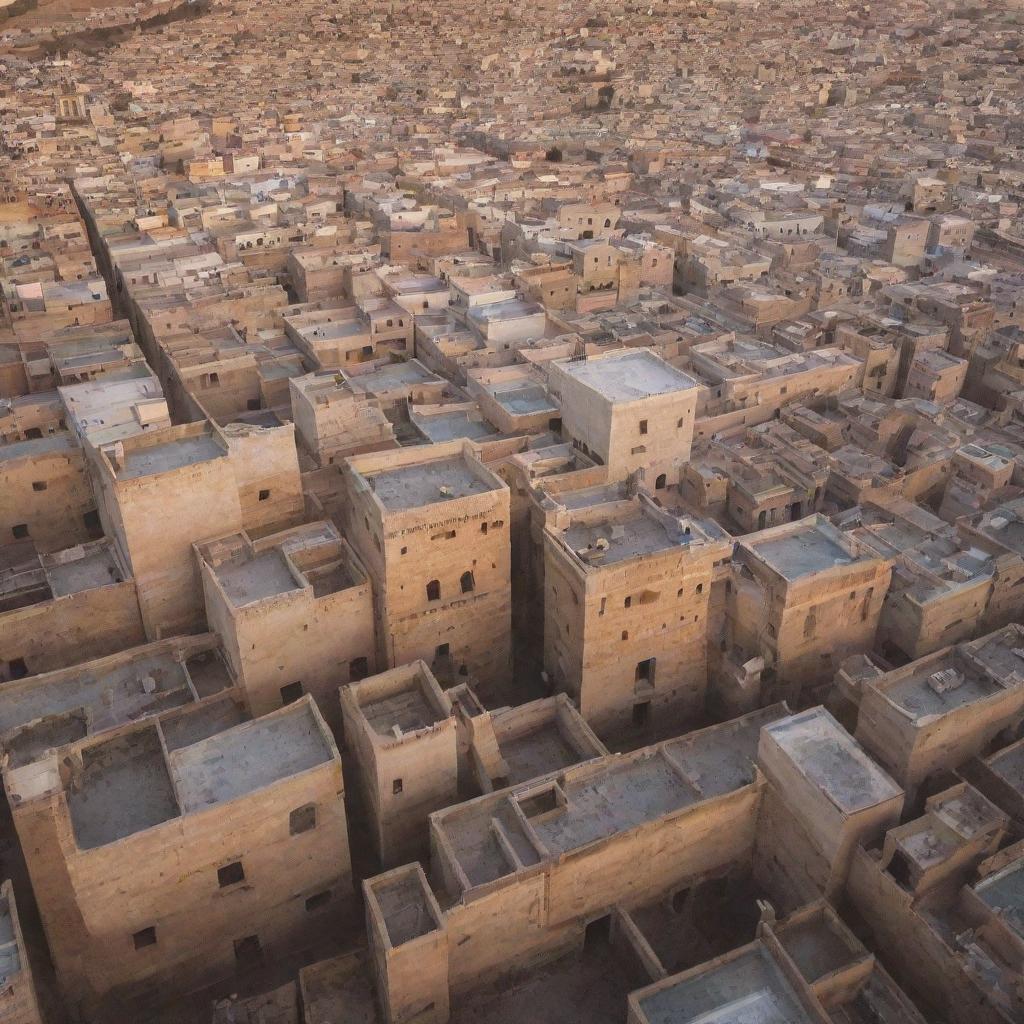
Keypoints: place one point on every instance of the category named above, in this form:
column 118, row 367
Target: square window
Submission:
column 358, row 668
column 230, row 874
column 321, row 899
column 38, row 485
column 302, row 819
column 17, row 669
column 20, row 531
column 147, row 937
column 291, row 693
column 247, row 950
column 396, row 787
column 264, row 494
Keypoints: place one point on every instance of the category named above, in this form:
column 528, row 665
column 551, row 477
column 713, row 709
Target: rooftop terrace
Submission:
column 813, row 546
column 149, row 460
column 622, row 537
column 628, row 375
column 748, row 988
column 602, row 798
column 427, row 483
column 825, row 753
column 129, row 783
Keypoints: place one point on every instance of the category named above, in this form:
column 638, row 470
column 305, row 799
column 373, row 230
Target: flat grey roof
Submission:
column 426, row 483
column 748, row 989
column 97, row 568
column 524, row 398
column 248, row 579
column 639, row 534
column 447, row 426
column 801, row 553
column 409, row 710
column 915, row 694
column 625, row 377
column 1004, row 893
column 507, row 309
column 161, row 458
column 825, row 752
column 35, row 447
column 537, row 752
column 124, row 788
column 608, row 797
column 249, row 757
column 120, row 690
column 392, row 376
column 10, row 958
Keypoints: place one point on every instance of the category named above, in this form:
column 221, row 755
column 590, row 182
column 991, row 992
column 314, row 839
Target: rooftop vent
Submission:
column 945, row 680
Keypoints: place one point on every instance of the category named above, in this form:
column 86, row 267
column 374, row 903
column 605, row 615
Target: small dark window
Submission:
column 264, row 494
column 247, row 950
column 434, row 590
column 17, row 669
column 38, row 485
column 20, row 531
column 358, row 668
column 291, row 693
column 302, row 819
column 230, row 874
column 645, row 671
column 253, row 404
column 147, row 937
column 396, row 787
column 91, row 519
column 660, row 482
column 627, row 602
column 214, row 378
column 467, row 582
column 643, row 426
column 33, row 434
column 641, row 712
column 441, row 651
column 321, row 899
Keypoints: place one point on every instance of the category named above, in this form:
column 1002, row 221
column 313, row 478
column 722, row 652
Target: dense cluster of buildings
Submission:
column 513, row 513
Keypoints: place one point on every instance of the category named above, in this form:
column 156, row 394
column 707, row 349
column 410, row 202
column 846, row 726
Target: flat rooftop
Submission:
column 10, row 956
column 426, row 483
column 749, row 988
column 525, row 398
column 603, row 798
column 50, row 711
column 626, row 537
column 537, row 752
column 813, row 548
column 246, row 580
column 823, row 751
column 939, row 687
column 162, row 458
column 447, row 426
column 629, row 375
column 97, row 567
column 407, row 711
column 124, row 788
column 392, row 376
column 248, row 758
column 1003, row 892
